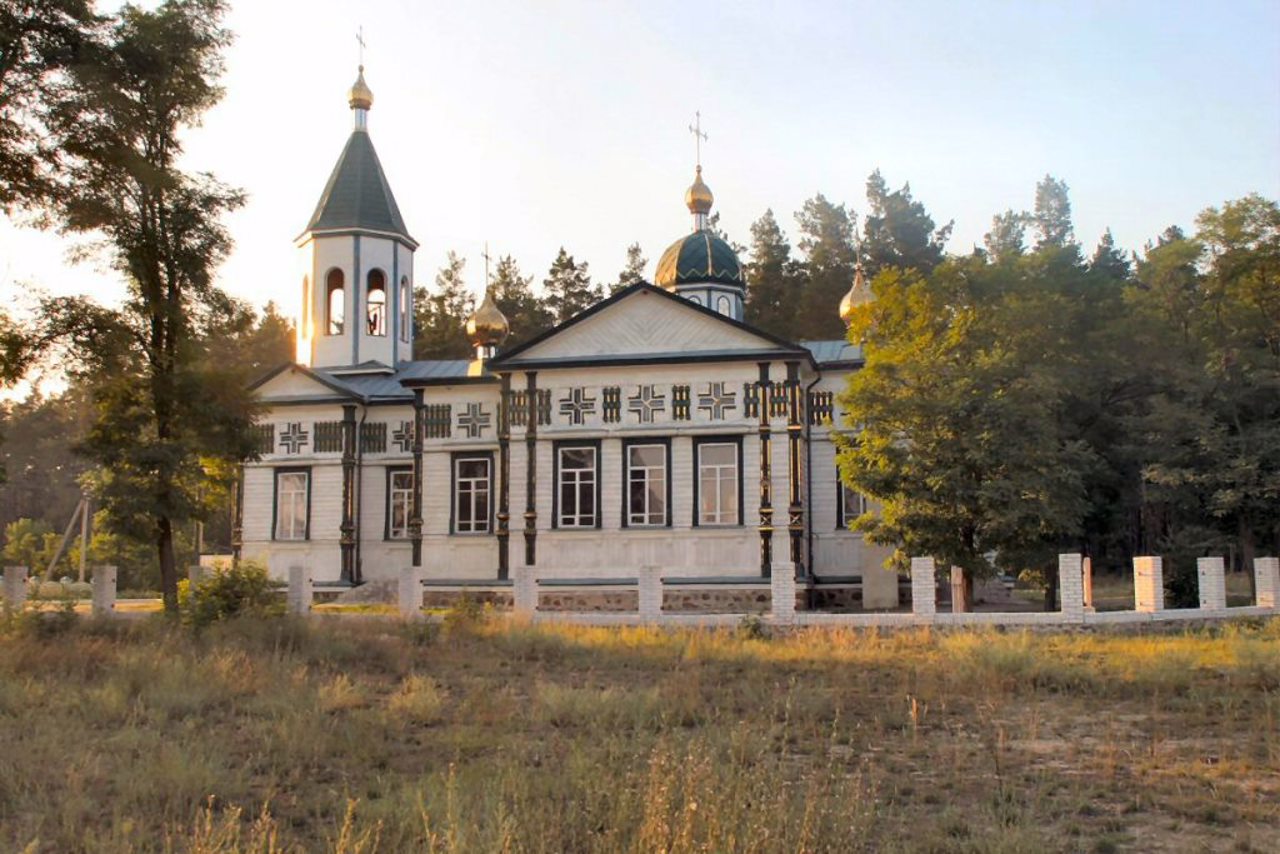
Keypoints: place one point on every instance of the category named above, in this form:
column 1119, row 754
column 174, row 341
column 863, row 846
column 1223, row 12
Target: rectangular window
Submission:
column 718, row 492
column 852, row 505
column 577, row 487
column 399, row 502
column 646, row 485
column 472, row 488
column 293, row 491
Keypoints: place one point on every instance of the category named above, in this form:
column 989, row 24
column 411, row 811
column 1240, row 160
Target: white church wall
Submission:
column 327, row 253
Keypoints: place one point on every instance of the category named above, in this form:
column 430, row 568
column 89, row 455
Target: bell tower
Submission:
column 357, row 262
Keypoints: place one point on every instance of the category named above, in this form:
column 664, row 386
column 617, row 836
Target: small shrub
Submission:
column 229, row 591
column 751, row 627
column 419, row 700
column 41, row 618
column 467, row 613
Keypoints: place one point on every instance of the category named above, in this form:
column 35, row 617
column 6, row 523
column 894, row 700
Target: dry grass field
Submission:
column 363, row 735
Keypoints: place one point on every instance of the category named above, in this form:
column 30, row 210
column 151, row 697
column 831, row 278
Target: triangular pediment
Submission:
column 296, row 382
column 645, row 322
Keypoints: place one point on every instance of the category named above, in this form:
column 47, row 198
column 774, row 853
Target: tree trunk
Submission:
column 1051, row 589
column 168, row 564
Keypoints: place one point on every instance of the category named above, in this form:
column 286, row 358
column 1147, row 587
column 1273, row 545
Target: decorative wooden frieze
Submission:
column 751, row 400
column 402, row 437
column 518, row 408
column 820, row 406
column 264, row 438
column 680, row 402
column 777, row 400
column 612, row 404
column 646, row 403
column 715, row 401
column 474, row 421
column 328, row 437
column 373, row 438
column 293, row 438
column 544, row 406
column 439, row 420
column 577, row 406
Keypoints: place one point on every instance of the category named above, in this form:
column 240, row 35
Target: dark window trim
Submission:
column 392, row 471
column 405, row 317
column 627, row 445
column 276, row 471
column 386, row 304
column 556, row 446
column 842, row 524
column 454, row 458
column 698, row 442
column 328, row 300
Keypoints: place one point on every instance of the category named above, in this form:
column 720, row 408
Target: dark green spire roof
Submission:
column 699, row 257
column 357, row 195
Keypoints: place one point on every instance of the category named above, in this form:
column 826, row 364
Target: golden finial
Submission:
column 488, row 327
column 361, row 96
column 698, row 197
column 859, row 295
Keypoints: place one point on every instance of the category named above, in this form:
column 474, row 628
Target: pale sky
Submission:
column 532, row 125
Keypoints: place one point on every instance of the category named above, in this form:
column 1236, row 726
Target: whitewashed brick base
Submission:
column 524, row 590
column 1148, row 584
column 15, row 586
column 1212, row 583
column 410, row 591
column 649, row 595
column 782, row 584
column 924, row 591
column 298, row 598
column 104, row 590
column 1071, row 587
column 1266, row 574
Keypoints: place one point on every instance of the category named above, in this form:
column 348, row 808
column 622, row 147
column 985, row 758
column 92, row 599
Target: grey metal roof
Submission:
column 357, row 194
column 827, row 352
column 433, row 369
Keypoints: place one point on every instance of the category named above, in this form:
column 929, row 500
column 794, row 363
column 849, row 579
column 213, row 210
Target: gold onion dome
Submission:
column 859, row 295
column 361, row 96
column 698, row 197
column 488, row 327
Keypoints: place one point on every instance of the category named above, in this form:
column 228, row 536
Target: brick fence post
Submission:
column 959, row 603
column 924, row 587
column 782, row 587
column 1266, row 574
column 524, row 590
column 1071, row 587
column 1211, row 574
column 649, row 595
column 410, row 592
column 15, row 586
column 104, row 590
column 299, row 596
column 1148, row 584
column 1086, row 579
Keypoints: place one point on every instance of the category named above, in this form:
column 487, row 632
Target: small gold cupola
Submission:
column 360, row 97
column 487, row 328
column 859, row 295
column 698, row 199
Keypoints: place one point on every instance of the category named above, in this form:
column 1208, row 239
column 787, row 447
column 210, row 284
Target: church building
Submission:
column 656, row 428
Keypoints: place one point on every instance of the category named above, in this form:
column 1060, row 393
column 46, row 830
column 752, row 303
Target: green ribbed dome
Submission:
column 699, row 257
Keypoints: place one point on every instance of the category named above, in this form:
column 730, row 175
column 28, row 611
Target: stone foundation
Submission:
column 499, row 599
column 718, row 600
column 829, row 597
column 596, row 601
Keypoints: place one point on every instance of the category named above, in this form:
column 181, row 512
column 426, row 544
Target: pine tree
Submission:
column 773, row 279
column 567, row 289
column 514, row 296
column 441, row 316
column 899, row 231
column 1108, row 261
column 1052, row 215
column 1007, row 238
column 633, row 271
column 826, row 238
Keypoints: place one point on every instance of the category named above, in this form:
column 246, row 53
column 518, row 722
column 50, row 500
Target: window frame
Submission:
column 406, row 310
column 724, row 305
column 557, row 447
column 388, row 532
column 455, row 458
column 276, row 473
column 329, row 288
column 698, row 443
column 842, row 509
column 652, row 441
column 369, row 303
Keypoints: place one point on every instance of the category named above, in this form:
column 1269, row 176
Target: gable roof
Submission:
column 357, row 195
column 330, row 387
column 716, row 337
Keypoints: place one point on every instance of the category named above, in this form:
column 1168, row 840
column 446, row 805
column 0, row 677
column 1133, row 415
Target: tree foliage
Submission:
column 442, row 314
column 567, row 290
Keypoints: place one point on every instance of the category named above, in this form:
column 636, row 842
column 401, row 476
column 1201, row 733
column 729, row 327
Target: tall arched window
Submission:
column 376, row 321
column 335, row 302
column 406, row 308
column 724, row 306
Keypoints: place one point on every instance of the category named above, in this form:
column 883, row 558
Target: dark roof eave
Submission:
column 311, row 233
column 424, row 382
column 658, row 359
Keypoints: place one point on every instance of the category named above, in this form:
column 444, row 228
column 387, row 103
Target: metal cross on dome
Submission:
column 474, row 420
column 715, row 400
column 577, row 406
column 698, row 135
column 646, row 403
column 360, row 41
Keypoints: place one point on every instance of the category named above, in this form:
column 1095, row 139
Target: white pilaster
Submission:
column 1266, row 573
column 1071, row 587
column 924, row 591
column 104, row 590
column 1212, row 582
column 1148, row 584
